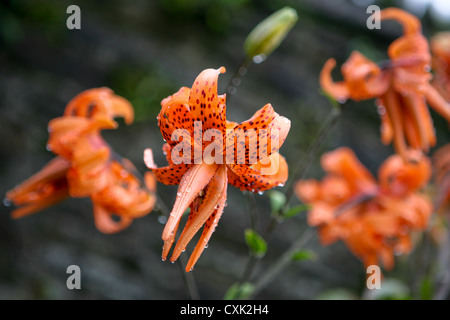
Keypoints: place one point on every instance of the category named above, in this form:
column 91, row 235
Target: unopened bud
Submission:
column 269, row 33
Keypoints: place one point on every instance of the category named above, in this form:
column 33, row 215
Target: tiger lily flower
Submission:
column 204, row 174
column 375, row 219
column 86, row 166
column 402, row 86
column 440, row 50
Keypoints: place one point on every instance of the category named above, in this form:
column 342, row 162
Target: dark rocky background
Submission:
column 145, row 51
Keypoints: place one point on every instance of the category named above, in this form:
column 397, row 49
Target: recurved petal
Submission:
column 175, row 114
column 193, row 181
column 337, row 90
column 212, row 205
column 411, row 24
column 41, row 190
column 100, row 102
column 205, row 104
column 105, row 222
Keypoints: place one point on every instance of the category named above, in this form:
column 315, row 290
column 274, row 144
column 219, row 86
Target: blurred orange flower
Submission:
column 441, row 166
column 208, row 165
column 373, row 218
column 86, row 166
column 440, row 50
column 402, row 86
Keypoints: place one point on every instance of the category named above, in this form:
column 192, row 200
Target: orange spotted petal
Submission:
column 257, row 138
column 194, row 181
column 206, row 106
column 260, row 176
column 175, row 114
column 171, row 174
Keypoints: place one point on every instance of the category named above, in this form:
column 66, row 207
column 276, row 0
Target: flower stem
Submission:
column 312, row 150
column 236, row 79
column 282, row 261
column 188, row 278
column 298, row 173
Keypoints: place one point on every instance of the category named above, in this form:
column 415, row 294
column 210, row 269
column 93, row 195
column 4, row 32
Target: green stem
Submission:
column 188, row 278
column 283, row 261
column 302, row 167
column 298, row 173
column 236, row 79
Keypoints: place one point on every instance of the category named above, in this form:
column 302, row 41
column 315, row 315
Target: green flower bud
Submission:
column 269, row 33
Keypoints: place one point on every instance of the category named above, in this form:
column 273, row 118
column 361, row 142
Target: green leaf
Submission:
column 304, row 255
column 256, row 243
column 292, row 212
column 427, row 288
column 337, row 294
column 277, row 200
column 239, row 291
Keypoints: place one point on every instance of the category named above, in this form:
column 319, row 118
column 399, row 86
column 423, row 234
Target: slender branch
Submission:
column 443, row 281
column 254, row 224
column 282, row 261
column 188, row 278
column 236, row 79
column 299, row 172
column 312, row 150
